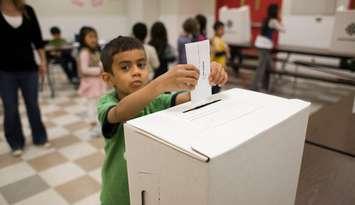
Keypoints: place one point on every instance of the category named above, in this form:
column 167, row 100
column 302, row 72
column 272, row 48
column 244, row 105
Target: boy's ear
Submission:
column 107, row 77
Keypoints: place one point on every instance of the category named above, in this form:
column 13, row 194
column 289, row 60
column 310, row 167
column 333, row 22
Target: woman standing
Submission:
column 18, row 70
column 264, row 44
column 159, row 40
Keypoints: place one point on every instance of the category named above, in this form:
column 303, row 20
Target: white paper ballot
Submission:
column 198, row 54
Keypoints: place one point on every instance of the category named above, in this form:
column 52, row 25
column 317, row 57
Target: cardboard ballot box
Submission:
column 237, row 147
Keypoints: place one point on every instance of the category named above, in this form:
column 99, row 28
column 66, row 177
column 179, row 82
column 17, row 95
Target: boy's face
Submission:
column 129, row 72
column 220, row 31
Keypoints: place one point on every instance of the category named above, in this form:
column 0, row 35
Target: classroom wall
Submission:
column 174, row 12
column 110, row 19
column 116, row 17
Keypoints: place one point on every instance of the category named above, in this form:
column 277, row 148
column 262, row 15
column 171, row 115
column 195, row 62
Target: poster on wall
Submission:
column 237, row 24
column 54, row 8
column 344, row 32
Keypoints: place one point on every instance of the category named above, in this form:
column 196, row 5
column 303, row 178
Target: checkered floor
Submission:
column 69, row 171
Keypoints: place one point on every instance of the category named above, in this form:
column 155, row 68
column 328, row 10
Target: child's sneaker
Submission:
column 17, row 152
column 47, row 145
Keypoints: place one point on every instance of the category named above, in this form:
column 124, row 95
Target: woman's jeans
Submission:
column 262, row 74
column 27, row 82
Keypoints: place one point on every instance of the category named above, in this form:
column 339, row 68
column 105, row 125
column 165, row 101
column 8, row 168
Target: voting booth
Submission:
column 343, row 39
column 237, row 27
column 235, row 147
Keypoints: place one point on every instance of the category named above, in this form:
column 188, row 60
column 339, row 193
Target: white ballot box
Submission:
column 237, row 26
column 236, row 147
column 344, row 32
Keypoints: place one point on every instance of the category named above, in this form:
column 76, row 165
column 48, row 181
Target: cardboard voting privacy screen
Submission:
column 235, row 147
column 344, row 32
column 237, row 24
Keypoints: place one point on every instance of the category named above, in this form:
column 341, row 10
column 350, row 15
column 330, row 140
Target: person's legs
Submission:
column 260, row 71
column 268, row 68
column 12, row 124
column 71, row 66
column 64, row 64
column 29, row 88
column 95, row 129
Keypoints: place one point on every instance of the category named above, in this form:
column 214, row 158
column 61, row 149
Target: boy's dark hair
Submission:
column 190, row 26
column 202, row 20
column 115, row 46
column 55, row 30
column 140, row 31
column 217, row 25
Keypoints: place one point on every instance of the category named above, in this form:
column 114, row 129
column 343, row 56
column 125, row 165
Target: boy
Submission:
column 63, row 56
column 219, row 49
column 124, row 62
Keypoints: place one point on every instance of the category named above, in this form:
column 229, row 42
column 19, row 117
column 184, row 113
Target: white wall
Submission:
column 116, row 17
column 110, row 19
column 174, row 12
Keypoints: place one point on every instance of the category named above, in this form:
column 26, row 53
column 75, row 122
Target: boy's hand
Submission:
column 180, row 77
column 218, row 75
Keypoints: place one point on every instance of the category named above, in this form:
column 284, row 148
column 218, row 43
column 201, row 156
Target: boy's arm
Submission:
column 181, row 77
column 129, row 106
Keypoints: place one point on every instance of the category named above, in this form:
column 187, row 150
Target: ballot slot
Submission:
column 201, row 106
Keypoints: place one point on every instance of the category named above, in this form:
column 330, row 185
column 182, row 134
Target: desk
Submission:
column 63, row 52
column 290, row 49
column 247, row 50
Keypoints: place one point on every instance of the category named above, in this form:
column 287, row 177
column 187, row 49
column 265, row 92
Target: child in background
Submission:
column 202, row 21
column 159, row 40
column 219, row 49
column 91, row 86
column 63, row 56
column 190, row 27
column 125, row 68
column 140, row 32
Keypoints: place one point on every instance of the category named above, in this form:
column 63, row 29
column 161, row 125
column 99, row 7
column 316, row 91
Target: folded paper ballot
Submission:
column 198, row 54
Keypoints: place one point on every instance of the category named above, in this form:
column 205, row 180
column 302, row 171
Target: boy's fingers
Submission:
column 222, row 77
column 217, row 76
column 191, row 74
column 214, row 69
column 225, row 79
column 188, row 81
column 188, row 67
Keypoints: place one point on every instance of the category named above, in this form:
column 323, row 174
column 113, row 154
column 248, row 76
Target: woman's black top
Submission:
column 16, row 44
